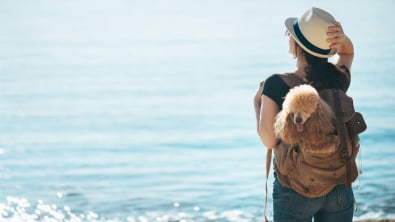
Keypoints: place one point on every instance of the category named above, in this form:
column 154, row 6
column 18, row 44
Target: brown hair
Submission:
column 324, row 75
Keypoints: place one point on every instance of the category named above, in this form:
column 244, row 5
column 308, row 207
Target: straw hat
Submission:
column 310, row 32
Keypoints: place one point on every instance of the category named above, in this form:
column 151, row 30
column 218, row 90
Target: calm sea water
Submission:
column 142, row 110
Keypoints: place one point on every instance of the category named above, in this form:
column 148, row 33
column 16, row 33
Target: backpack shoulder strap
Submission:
column 291, row 79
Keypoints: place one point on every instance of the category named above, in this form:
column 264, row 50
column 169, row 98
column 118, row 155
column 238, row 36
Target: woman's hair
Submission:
column 324, row 75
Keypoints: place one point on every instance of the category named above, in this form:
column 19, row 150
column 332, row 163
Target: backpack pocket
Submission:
column 356, row 125
column 324, row 160
column 285, row 158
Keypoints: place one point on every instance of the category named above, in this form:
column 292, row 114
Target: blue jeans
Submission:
column 290, row 206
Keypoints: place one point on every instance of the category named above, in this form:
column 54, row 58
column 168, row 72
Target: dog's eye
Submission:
column 296, row 148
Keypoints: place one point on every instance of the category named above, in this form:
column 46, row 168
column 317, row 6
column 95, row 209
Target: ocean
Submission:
column 142, row 110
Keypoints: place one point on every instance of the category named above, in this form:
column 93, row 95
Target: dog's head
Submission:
column 301, row 102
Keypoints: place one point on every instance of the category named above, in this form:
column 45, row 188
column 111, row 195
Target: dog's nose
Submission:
column 298, row 120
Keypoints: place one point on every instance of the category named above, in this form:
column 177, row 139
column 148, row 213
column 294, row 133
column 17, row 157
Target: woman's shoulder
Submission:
column 274, row 82
column 275, row 88
column 343, row 69
column 284, row 80
column 275, row 79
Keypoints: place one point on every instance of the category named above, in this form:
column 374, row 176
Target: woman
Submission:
column 313, row 38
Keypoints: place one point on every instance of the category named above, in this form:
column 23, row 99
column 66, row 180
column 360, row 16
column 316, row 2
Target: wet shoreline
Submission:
column 378, row 220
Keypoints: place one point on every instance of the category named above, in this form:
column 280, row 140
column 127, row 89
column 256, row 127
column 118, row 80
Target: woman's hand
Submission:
column 339, row 41
column 258, row 95
column 335, row 35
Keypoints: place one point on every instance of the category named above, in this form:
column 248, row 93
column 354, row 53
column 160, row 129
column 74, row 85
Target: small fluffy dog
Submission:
column 306, row 121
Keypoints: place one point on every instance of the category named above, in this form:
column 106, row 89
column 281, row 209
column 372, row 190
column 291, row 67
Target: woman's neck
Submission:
column 300, row 72
column 301, row 65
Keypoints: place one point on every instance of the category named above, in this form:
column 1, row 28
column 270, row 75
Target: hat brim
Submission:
column 290, row 27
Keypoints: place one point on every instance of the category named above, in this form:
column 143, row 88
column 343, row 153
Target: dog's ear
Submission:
column 279, row 124
column 326, row 116
column 290, row 134
column 320, row 124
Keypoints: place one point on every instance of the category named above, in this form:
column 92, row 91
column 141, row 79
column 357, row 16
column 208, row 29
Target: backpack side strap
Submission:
column 268, row 163
column 342, row 131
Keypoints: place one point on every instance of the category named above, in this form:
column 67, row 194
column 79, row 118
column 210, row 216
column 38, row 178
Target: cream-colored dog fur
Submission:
column 307, row 121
